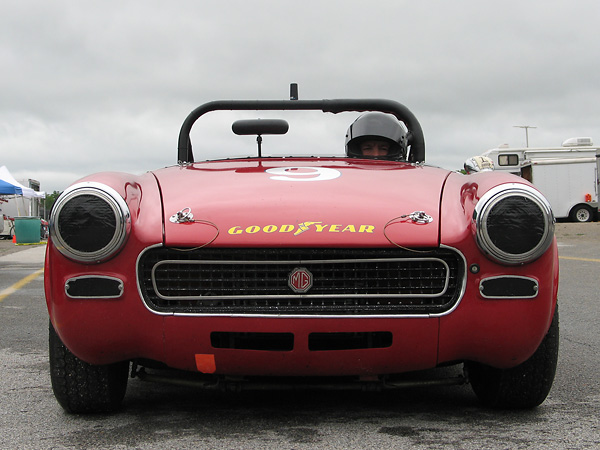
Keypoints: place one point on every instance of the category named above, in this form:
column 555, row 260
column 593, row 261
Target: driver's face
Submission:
column 374, row 148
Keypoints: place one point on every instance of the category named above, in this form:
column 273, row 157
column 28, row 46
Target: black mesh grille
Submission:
column 344, row 281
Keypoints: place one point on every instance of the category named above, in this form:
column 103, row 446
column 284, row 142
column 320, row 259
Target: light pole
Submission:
column 527, row 127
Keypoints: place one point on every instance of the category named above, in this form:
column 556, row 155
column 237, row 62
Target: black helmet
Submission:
column 376, row 126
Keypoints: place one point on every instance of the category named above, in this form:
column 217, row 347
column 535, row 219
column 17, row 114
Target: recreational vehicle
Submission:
column 566, row 175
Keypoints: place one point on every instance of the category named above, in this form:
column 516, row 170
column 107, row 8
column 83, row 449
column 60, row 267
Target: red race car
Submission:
column 350, row 269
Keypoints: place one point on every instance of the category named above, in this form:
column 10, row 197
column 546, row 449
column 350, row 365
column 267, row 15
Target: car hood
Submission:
column 300, row 202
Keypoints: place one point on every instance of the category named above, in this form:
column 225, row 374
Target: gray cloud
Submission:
column 105, row 85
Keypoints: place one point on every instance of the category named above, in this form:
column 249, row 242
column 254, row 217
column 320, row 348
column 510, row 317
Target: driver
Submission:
column 376, row 135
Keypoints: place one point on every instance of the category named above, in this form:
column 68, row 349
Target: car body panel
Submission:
column 263, row 203
column 237, row 203
column 414, row 346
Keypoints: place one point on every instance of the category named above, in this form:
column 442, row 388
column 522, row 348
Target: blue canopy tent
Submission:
column 8, row 188
column 8, row 182
column 26, row 228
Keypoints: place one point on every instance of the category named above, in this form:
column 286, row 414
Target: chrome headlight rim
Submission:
column 122, row 222
column 491, row 199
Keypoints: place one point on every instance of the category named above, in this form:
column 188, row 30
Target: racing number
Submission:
column 303, row 173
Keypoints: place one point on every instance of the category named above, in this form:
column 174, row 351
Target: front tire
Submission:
column 524, row 386
column 80, row 387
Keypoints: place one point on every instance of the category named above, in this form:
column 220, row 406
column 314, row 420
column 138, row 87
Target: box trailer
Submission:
column 566, row 175
column 569, row 184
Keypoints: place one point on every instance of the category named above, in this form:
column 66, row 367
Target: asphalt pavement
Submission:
column 159, row 416
column 29, row 254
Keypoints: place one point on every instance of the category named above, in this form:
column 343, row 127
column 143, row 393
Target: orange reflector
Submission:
column 588, row 198
column 206, row 363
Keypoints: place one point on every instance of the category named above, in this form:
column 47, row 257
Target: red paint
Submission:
column 238, row 203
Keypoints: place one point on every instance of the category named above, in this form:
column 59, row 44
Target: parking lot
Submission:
column 158, row 416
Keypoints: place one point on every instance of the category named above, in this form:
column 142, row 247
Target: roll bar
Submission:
column 415, row 134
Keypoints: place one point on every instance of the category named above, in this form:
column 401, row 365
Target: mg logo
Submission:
column 300, row 280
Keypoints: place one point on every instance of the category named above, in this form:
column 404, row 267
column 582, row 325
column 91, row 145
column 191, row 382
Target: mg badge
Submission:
column 300, row 280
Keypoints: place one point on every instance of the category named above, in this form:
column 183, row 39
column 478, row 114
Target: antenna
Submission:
column 294, row 91
column 526, row 127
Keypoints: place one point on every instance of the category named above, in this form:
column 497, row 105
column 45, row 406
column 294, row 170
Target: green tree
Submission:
column 50, row 199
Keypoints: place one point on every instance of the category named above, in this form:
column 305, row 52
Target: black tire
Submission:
column 80, row 387
column 581, row 214
column 524, row 386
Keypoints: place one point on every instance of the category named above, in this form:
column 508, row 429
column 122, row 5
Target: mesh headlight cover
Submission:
column 514, row 224
column 90, row 222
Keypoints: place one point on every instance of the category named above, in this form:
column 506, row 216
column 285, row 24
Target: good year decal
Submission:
column 318, row 227
column 296, row 173
column 303, row 174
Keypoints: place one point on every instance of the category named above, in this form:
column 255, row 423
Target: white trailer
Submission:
column 511, row 159
column 566, row 175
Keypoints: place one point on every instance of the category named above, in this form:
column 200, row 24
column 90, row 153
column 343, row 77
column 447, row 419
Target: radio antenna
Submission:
column 294, row 91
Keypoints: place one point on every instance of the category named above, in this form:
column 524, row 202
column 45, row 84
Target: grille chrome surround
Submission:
column 347, row 282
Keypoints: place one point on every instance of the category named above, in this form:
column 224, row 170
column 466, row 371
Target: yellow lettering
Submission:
column 286, row 228
column 235, row 230
column 319, row 228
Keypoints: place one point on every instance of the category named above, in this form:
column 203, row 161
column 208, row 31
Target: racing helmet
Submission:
column 376, row 126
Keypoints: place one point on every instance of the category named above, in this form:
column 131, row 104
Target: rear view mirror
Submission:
column 259, row 127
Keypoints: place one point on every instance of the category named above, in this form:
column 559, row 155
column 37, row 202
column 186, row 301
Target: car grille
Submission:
column 356, row 281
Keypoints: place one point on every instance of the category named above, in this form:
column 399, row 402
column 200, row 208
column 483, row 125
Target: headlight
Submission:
column 90, row 222
column 514, row 224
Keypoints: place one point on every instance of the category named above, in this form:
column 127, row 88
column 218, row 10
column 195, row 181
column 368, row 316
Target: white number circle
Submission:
column 303, row 173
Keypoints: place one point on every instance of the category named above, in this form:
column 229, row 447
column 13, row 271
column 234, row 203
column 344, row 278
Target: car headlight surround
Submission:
column 514, row 224
column 90, row 222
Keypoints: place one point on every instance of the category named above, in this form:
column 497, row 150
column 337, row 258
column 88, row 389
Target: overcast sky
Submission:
column 89, row 86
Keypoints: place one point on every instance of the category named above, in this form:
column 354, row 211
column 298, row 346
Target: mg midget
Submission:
column 310, row 271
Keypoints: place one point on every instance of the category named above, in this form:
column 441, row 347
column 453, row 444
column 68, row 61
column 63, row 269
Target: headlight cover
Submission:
column 514, row 224
column 90, row 222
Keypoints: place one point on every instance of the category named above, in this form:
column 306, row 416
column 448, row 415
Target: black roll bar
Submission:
column 415, row 134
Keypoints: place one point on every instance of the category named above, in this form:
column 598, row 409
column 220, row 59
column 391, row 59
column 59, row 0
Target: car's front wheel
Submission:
column 524, row 386
column 80, row 387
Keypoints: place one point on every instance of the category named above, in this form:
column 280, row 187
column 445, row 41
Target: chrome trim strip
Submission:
column 122, row 218
column 462, row 282
column 291, row 294
column 139, row 286
column 535, row 282
column 493, row 197
column 120, row 286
